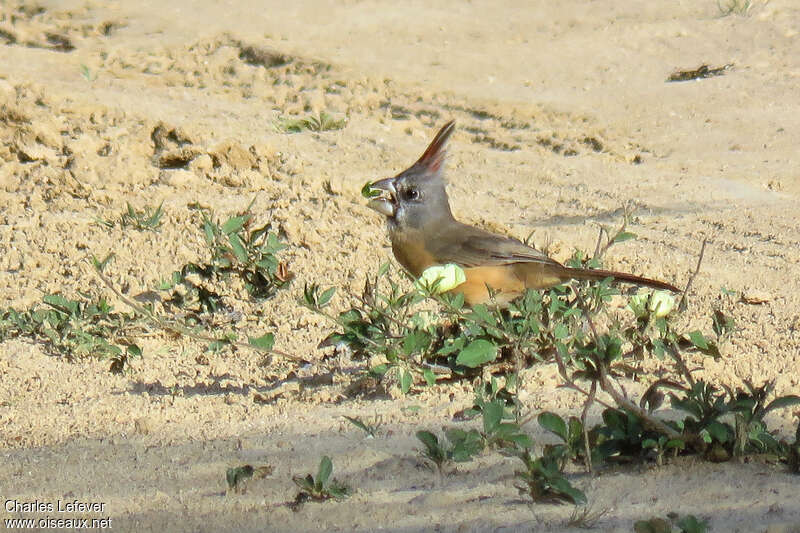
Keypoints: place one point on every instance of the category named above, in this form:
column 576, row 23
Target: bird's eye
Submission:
column 411, row 194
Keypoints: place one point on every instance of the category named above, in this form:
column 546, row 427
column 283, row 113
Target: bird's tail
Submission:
column 597, row 274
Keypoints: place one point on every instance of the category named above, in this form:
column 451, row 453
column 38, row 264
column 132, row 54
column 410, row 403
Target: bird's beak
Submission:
column 386, row 202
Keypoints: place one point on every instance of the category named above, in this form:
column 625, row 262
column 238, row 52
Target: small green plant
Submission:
column 321, row 487
column 322, row 122
column 458, row 446
column 653, row 525
column 750, row 407
column 390, row 323
column 434, row 451
column 623, row 436
column 543, row 481
column 383, row 323
column 120, row 361
column 492, row 390
column 726, row 423
column 498, row 433
column 87, row 73
column 571, row 433
column 371, row 428
column 77, row 328
column 690, row 524
column 239, row 475
column 662, row 445
column 147, row 219
column 734, row 7
column 235, row 249
column 686, row 524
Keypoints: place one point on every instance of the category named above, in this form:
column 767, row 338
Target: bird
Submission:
column 498, row 268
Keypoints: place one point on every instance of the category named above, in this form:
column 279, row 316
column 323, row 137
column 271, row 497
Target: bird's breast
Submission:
column 410, row 251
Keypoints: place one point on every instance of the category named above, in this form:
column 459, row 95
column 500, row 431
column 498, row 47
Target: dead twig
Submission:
column 682, row 304
column 584, row 415
column 597, row 250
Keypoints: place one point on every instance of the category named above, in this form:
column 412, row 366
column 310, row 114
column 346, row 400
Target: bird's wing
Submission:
column 468, row 247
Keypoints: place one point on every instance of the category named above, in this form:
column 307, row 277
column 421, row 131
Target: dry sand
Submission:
column 563, row 117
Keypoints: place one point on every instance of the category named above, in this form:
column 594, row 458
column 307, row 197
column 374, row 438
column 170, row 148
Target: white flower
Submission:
column 449, row 277
column 661, row 303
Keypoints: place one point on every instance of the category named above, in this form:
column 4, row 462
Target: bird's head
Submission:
column 416, row 197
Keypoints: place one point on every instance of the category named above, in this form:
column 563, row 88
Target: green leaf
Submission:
column 554, row 424
column 452, row 346
column 234, row 224
column 430, row 377
column 782, row 402
column 379, row 370
column 466, row 444
column 615, row 419
column 521, row 440
column 305, row 483
column 264, row 342
column 238, row 474
column 324, row 472
column 659, row 348
column 675, row 443
column 357, row 423
column 338, row 491
column 457, row 300
column 613, row 348
column 649, row 443
column 575, row 430
column 368, row 192
column 492, row 416
column 134, row 350
column 101, row 265
column 61, row 303
column 690, row 524
column 416, row 341
column 430, row 440
column 238, row 248
column 208, row 230
column 722, row 324
column 561, row 331
column 482, row 314
column 477, row 353
column 624, row 236
column 326, row 296
column 155, row 217
column 565, row 487
column 405, row 381
column 698, row 340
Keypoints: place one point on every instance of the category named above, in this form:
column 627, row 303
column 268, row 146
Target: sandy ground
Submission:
column 564, row 116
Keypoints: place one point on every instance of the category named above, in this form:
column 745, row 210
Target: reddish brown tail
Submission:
column 592, row 274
